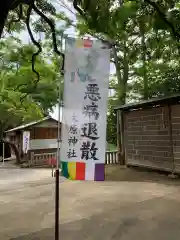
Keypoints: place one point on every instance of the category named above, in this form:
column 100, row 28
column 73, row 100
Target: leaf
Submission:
column 123, row 13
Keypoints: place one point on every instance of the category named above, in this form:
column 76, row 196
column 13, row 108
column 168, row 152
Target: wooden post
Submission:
column 121, row 126
column 31, row 159
column 3, row 153
column 120, row 136
column 173, row 174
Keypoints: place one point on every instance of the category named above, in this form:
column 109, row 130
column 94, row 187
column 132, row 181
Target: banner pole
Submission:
column 3, row 152
column 57, row 172
column 57, row 204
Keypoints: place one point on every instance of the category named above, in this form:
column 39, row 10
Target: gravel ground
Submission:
column 130, row 204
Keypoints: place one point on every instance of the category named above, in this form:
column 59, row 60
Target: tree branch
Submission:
column 64, row 5
column 37, row 44
column 163, row 16
column 20, row 15
column 116, row 62
column 51, row 25
column 3, row 16
column 110, row 43
column 78, row 9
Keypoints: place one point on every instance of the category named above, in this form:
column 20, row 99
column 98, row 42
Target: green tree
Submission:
column 13, row 111
column 140, row 24
column 112, row 24
column 143, row 36
column 23, row 96
column 16, row 62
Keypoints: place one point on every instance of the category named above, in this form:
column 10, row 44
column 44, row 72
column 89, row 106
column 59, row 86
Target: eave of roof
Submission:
column 30, row 124
column 151, row 102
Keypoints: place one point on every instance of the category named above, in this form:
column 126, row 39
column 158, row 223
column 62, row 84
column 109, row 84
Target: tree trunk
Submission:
column 4, row 9
column 3, row 126
column 143, row 44
column 125, row 74
column 122, row 91
column 16, row 152
column 118, row 72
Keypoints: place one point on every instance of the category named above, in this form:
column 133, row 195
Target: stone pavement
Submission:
column 107, row 210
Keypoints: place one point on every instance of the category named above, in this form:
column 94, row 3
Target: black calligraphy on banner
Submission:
column 71, row 153
column 73, row 129
column 89, row 151
column 91, row 110
column 92, row 92
column 90, row 130
column 72, row 140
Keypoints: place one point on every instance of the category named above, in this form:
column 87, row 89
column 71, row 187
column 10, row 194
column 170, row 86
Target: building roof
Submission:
column 30, row 124
column 150, row 103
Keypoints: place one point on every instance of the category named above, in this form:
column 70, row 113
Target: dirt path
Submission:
column 143, row 208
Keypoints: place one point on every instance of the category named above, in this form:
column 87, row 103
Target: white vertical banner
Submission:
column 86, row 81
column 26, row 141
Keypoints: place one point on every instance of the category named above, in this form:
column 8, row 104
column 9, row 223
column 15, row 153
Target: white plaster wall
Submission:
column 43, row 144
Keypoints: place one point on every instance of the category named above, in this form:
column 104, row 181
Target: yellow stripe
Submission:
column 72, row 170
column 79, row 43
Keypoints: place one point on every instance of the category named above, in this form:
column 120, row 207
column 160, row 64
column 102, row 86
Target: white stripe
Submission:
column 43, row 144
column 90, row 171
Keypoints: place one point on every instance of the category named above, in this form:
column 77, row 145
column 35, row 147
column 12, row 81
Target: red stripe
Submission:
column 88, row 43
column 80, row 171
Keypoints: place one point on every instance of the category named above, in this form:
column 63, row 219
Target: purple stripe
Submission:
column 99, row 172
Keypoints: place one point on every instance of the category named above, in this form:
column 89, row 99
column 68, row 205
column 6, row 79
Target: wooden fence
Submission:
column 44, row 159
column 111, row 157
column 41, row 159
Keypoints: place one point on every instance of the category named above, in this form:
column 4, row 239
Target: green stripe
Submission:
column 65, row 170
